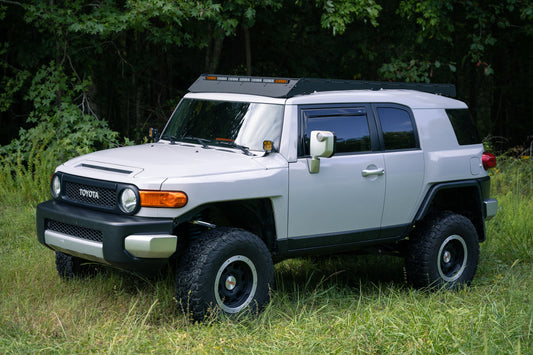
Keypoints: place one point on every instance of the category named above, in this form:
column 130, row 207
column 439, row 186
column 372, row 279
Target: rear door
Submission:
column 404, row 166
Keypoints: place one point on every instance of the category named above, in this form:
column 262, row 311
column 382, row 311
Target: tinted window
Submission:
column 223, row 122
column 349, row 125
column 397, row 127
column 465, row 130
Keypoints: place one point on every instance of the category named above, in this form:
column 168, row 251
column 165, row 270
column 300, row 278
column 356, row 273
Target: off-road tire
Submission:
column 225, row 270
column 443, row 252
column 69, row 267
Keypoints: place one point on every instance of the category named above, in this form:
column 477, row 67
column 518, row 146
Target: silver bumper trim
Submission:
column 151, row 246
column 73, row 245
column 491, row 208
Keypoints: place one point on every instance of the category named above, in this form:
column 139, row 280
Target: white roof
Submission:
column 411, row 98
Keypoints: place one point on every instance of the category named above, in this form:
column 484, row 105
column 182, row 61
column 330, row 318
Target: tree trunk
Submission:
column 212, row 56
column 248, row 50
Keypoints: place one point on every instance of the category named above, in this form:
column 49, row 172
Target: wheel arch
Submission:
column 253, row 215
column 462, row 197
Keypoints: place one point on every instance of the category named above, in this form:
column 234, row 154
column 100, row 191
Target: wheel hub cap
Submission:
column 447, row 256
column 231, row 282
column 235, row 284
column 453, row 257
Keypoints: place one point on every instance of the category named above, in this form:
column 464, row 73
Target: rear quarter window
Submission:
column 463, row 125
column 397, row 127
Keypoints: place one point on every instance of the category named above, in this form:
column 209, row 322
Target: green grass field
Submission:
column 348, row 304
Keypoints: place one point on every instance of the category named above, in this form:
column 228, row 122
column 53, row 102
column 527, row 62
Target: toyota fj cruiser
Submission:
column 253, row 170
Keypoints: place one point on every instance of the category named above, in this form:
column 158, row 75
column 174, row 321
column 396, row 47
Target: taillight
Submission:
column 488, row 160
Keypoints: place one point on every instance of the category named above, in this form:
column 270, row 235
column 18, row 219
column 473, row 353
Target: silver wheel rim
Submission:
column 235, row 284
column 452, row 258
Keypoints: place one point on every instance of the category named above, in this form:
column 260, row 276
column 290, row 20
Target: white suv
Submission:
column 253, row 170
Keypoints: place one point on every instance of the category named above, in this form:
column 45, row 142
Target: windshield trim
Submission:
column 236, row 98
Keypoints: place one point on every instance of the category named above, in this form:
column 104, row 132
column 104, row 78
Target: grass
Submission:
column 333, row 305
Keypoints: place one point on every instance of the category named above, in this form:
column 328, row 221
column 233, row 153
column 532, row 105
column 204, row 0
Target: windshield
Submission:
column 225, row 123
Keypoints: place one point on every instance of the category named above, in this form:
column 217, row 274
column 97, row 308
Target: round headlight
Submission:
column 128, row 200
column 55, row 186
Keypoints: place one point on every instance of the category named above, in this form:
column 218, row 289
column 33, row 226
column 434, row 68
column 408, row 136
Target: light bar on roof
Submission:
column 247, row 79
column 291, row 87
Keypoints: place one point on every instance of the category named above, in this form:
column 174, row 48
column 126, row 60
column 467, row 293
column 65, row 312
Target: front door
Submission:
column 343, row 202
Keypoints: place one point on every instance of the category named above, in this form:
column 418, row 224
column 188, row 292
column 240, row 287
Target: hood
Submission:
column 149, row 165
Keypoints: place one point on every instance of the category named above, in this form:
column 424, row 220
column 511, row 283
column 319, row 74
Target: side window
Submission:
column 397, row 128
column 463, row 125
column 349, row 125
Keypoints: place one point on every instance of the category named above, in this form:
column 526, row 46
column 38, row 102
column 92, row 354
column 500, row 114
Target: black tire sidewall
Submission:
column 197, row 271
column 247, row 250
column 424, row 257
column 472, row 248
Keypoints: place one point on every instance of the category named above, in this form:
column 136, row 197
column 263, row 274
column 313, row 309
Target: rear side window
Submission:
column 397, row 127
column 463, row 125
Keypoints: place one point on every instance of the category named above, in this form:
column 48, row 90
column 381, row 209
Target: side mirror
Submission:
column 153, row 134
column 321, row 145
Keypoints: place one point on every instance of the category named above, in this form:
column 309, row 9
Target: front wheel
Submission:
column 443, row 252
column 225, row 270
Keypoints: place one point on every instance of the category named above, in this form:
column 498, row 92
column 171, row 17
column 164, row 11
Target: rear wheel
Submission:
column 225, row 270
column 69, row 267
column 443, row 252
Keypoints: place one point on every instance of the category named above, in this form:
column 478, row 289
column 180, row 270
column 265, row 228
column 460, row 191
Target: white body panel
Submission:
column 337, row 199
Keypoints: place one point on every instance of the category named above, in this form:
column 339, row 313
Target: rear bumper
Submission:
column 124, row 241
column 490, row 208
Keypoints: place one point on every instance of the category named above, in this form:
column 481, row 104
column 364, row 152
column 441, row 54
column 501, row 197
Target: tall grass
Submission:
column 511, row 232
column 345, row 304
column 27, row 180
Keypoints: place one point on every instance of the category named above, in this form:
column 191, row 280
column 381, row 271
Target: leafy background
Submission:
column 83, row 75
column 81, row 70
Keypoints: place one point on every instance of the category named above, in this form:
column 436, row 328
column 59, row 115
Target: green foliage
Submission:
column 512, row 182
column 62, row 127
column 432, row 16
column 62, row 118
column 413, row 70
column 142, row 55
column 26, row 180
column 337, row 14
column 10, row 83
column 476, row 21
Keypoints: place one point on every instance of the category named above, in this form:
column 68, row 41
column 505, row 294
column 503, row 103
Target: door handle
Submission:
column 369, row 172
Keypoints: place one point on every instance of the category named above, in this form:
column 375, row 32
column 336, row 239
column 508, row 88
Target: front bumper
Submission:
column 124, row 241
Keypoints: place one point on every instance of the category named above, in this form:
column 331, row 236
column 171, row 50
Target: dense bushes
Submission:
column 63, row 125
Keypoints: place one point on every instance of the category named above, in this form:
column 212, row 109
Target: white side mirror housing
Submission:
column 321, row 145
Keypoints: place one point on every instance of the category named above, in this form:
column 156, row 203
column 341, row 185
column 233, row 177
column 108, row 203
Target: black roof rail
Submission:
column 290, row 87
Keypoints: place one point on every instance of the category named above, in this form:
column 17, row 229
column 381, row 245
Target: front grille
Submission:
column 95, row 196
column 75, row 231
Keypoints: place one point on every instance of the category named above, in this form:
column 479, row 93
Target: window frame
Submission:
column 372, row 128
column 381, row 137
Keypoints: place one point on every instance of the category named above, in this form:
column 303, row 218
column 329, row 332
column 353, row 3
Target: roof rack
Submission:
column 290, row 87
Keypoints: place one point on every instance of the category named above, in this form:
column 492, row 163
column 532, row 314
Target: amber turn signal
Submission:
column 171, row 199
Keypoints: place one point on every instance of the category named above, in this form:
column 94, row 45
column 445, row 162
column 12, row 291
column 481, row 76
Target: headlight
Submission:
column 55, row 186
column 128, row 200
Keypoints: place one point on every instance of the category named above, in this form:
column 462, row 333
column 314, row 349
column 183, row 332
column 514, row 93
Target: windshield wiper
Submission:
column 201, row 141
column 246, row 150
column 172, row 139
